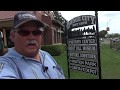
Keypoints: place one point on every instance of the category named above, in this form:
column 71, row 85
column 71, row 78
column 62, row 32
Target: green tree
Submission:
column 58, row 16
column 113, row 35
column 116, row 35
column 103, row 33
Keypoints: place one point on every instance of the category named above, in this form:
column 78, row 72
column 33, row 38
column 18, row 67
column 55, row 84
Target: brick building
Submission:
column 51, row 35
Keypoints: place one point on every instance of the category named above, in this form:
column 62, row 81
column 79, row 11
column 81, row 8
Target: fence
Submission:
column 115, row 44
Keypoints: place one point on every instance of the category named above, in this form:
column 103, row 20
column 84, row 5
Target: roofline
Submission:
column 8, row 19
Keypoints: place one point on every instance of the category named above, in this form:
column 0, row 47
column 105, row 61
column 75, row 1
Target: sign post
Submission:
column 66, row 31
column 83, row 52
column 98, row 44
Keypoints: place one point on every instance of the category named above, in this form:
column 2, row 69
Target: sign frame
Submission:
column 81, row 42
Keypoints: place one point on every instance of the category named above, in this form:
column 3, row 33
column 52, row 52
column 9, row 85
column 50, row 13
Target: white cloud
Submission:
column 110, row 18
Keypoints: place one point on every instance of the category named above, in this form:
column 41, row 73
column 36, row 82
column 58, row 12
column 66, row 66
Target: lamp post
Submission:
column 108, row 28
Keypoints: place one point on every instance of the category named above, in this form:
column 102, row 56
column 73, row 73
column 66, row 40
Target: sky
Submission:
column 105, row 18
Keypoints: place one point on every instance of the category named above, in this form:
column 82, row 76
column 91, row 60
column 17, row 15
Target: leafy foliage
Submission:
column 113, row 35
column 102, row 33
column 58, row 16
column 54, row 50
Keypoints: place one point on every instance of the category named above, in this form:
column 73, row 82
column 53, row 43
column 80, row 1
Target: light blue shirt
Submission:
column 16, row 66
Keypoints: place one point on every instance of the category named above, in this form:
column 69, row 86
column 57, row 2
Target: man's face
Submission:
column 27, row 39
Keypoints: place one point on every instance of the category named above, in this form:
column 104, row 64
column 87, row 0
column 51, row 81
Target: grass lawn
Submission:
column 110, row 62
column 110, row 65
column 62, row 61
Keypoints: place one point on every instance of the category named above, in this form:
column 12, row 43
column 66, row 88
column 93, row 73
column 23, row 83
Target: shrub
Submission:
column 54, row 50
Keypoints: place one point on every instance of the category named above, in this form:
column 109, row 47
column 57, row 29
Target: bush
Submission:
column 54, row 50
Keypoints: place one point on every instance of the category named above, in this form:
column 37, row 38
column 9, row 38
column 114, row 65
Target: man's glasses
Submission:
column 26, row 32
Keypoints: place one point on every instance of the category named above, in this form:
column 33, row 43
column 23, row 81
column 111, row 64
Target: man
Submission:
column 25, row 60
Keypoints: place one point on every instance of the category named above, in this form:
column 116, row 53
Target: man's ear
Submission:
column 12, row 36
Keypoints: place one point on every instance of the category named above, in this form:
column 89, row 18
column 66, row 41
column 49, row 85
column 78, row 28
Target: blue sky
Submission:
column 105, row 18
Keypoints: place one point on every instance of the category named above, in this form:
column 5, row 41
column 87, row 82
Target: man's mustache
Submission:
column 33, row 42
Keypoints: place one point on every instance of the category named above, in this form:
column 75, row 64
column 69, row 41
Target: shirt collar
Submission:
column 13, row 53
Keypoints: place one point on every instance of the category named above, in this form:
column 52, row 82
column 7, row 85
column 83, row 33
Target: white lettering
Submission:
column 89, row 56
column 90, row 63
column 91, row 41
column 22, row 16
column 82, row 20
column 93, row 19
column 89, row 48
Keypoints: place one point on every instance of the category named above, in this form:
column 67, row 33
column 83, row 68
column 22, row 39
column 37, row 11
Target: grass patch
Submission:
column 62, row 61
column 110, row 65
column 110, row 62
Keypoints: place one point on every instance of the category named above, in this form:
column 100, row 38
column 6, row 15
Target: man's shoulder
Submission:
column 4, row 58
column 48, row 57
column 44, row 52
